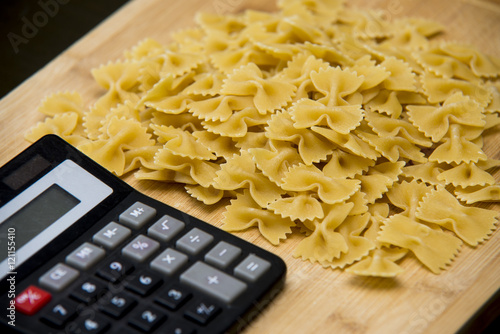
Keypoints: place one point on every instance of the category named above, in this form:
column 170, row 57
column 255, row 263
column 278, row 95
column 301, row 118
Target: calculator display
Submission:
column 39, row 214
column 47, row 208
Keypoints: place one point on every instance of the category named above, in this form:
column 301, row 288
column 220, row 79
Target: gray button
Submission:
column 222, row 254
column 111, row 235
column 194, row 241
column 213, row 282
column 85, row 256
column 169, row 261
column 252, row 268
column 166, row 228
column 137, row 215
column 140, row 248
column 58, row 278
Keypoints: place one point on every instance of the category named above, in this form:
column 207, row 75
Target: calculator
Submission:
column 84, row 252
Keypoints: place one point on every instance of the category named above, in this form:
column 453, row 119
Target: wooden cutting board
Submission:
column 315, row 300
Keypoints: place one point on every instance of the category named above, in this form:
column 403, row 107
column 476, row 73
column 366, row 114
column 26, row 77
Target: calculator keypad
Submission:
column 151, row 273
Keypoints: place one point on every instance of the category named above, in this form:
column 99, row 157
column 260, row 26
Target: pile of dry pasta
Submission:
column 362, row 135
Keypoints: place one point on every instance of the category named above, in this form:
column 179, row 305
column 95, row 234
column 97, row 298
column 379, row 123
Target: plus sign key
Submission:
column 213, row 282
column 137, row 215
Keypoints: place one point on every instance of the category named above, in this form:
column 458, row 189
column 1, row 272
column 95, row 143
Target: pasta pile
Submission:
column 364, row 136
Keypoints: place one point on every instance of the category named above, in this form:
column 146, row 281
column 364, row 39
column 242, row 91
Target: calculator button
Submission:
column 111, row 235
column 147, row 318
column 117, row 305
column 222, row 254
column 140, row 248
column 90, row 323
column 252, row 268
column 32, row 299
column 60, row 314
column 88, row 291
column 202, row 311
column 114, row 270
column 144, row 283
column 137, row 215
column 194, row 241
column 166, row 228
column 173, row 297
column 59, row 277
column 85, row 256
column 213, row 282
column 169, row 261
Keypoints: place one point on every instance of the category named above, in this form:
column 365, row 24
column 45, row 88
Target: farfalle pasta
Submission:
column 434, row 248
column 364, row 136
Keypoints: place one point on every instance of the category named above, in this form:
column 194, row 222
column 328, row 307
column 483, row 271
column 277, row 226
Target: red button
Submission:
column 32, row 299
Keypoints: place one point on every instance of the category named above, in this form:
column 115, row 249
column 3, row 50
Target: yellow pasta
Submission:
column 343, row 119
column 362, row 135
column 244, row 212
column 182, row 143
column 381, row 262
column 358, row 246
column 274, row 163
column 240, row 172
column 472, row 195
column 379, row 179
column 330, row 190
column 466, row 175
column 62, row 103
column 302, row 206
column 434, row 248
column 472, row 225
column 268, row 94
column 312, row 147
column 343, row 164
column 238, row 123
column 325, row 244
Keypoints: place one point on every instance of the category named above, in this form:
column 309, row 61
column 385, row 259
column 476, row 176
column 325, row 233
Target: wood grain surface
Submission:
column 315, row 300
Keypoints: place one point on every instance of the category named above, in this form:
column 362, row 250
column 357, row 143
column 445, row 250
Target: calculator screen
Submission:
column 47, row 208
column 39, row 214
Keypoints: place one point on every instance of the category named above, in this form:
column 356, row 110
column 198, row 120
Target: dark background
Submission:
column 33, row 32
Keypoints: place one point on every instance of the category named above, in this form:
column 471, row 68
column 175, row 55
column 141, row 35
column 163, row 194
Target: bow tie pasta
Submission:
column 364, row 136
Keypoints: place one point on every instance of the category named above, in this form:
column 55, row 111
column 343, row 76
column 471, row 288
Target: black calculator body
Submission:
column 83, row 252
